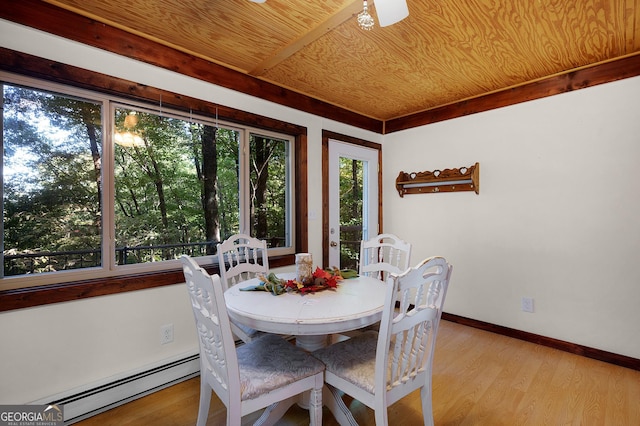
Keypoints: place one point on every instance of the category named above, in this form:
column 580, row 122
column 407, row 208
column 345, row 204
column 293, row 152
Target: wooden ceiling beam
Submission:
column 348, row 12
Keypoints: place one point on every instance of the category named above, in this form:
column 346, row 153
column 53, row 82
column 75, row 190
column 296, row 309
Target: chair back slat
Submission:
column 382, row 255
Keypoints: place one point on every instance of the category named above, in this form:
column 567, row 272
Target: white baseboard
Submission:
column 80, row 404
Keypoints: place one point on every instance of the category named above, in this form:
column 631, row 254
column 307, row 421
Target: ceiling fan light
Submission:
column 128, row 139
column 391, row 11
column 131, row 120
column 365, row 20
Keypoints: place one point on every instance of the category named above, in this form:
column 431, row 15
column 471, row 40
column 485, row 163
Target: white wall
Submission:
column 556, row 218
column 67, row 346
column 553, row 221
column 53, row 349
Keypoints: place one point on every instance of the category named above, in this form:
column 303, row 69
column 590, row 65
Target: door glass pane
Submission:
column 52, row 182
column 351, row 214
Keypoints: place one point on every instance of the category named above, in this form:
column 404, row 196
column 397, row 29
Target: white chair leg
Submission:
column 205, row 401
column 275, row 411
column 315, row 403
column 381, row 416
column 332, row 398
column 427, row 406
column 233, row 418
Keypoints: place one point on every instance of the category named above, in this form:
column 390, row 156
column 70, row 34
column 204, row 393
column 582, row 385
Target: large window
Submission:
column 51, row 182
column 156, row 185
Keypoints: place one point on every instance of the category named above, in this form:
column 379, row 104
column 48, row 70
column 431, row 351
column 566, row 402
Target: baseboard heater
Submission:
column 90, row 402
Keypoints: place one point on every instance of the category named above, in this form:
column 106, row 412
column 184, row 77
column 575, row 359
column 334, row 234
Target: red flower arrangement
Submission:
column 320, row 280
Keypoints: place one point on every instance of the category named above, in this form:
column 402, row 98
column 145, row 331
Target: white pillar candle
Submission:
column 304, row 267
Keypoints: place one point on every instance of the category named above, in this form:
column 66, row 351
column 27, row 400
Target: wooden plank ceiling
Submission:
column 446, row 51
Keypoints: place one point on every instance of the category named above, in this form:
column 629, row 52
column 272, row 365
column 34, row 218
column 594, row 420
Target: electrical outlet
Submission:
column 166, row 334
column 527, row 304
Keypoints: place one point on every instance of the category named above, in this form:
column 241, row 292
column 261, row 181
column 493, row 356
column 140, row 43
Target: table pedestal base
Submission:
column 312, row 343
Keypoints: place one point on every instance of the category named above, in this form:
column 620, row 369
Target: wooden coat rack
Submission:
column 447, row 180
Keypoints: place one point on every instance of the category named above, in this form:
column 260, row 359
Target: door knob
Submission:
column 333, row 244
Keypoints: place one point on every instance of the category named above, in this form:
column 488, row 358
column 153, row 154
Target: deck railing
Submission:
column 50, row 261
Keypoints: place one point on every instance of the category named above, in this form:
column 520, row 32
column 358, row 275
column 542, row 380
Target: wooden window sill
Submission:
column 28, row 297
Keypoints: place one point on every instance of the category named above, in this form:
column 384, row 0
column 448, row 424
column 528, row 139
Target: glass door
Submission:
column 353, row 201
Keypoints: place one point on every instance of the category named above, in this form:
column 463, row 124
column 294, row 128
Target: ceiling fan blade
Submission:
column 391, row 11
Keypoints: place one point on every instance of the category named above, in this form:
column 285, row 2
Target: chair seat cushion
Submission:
column 271, row 362
column 354, row 359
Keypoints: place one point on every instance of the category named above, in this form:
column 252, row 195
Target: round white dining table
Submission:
column 311, row 318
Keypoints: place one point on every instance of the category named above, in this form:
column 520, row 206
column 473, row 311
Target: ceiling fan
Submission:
column 389, row 12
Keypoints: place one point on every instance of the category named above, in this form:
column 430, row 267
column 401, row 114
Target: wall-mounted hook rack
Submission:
column 447, row 180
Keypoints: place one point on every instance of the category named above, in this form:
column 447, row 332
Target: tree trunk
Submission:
column 155, row 175
column 95, row 155
column 210, row 187
column 262, row 150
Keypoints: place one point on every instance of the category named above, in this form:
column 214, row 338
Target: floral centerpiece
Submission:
column 321, row 279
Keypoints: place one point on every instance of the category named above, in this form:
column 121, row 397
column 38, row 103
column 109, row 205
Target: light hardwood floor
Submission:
column 479, row 378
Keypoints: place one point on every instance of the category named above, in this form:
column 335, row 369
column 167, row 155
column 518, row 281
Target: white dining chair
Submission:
column 382, row 255
column 380, row 368
column 242, row 257
column 268, row 372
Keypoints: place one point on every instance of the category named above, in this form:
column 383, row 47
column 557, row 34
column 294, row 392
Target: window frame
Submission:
column 290, row 194
column 16, row 293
